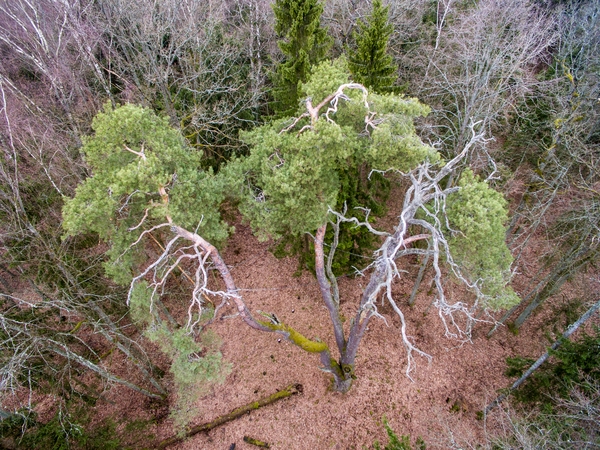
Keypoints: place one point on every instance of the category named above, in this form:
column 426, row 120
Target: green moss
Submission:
column 297, row 338
column 512, row 328
column 348, row 370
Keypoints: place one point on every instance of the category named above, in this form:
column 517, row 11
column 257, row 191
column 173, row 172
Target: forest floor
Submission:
column 439, row 404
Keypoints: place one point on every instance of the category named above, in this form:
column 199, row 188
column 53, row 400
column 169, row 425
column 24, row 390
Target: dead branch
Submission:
column 332, row 100
column 425, row 189
column 290, row 390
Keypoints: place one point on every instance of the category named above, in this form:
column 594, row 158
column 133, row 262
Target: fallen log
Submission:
column 256, row 442
column 238, row 412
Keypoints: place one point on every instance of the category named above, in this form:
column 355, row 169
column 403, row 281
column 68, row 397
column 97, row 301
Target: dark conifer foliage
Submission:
column 304, row 43
column 370, row 63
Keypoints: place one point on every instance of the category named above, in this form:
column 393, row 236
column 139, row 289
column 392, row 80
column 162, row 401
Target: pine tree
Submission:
column 304, row 44
column 135, row 155
column 370, row 63
column 300, row 187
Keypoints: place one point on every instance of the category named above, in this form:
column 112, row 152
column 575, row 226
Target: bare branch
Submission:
column 140, row 153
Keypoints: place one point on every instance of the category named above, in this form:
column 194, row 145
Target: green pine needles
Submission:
column 575, row 364
column 134, row 155
column 477, row 214
column 399, row 443
column 304, row 43
column 295, row 175
column 370, row 63
column 144, row 179
column 357, row 189
column 196, row 367
column 148, row 190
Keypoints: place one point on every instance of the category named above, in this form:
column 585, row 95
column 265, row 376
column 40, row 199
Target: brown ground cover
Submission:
column 439, row 404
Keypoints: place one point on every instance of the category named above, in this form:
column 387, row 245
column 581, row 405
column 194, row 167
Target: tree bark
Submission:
column 63, row 350
column 566, row 268
column 576, row 260
column 325, row 287
column 232, row 289
column 418, row 281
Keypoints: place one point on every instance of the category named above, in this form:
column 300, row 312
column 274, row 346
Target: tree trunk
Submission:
column 63, row 350
column 342, row 382
column 418, row 281
column 577, row 259
column 325, row 287
column 565, row 269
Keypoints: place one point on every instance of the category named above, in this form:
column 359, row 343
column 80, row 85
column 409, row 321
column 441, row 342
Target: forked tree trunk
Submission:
column 342, row 370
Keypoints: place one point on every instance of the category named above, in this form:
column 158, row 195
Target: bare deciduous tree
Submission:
column 566, row 173
column 51, row 83
column 201, row 63
column 482, row 65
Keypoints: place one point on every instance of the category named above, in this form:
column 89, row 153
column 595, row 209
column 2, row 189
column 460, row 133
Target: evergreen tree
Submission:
column 147, row 186
column 370, row 63
column 304, row 44
column 136, row 157
column 145, row 177
column 304, row 173
column 477, row 213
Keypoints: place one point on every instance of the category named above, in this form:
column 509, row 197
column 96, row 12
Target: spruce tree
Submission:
column 304, row 44
column 370, row 64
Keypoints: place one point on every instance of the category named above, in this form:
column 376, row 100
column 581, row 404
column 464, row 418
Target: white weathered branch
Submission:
column 140, row 153
column 424, row 192
column 365, row 223
column 332, row 100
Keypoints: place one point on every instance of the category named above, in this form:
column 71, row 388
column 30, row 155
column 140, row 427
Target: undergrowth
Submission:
column 64, row 431
column 399, row 443
column 573, row 363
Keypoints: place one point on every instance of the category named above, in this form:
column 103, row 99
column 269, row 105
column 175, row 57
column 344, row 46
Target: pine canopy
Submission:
column 134, row 154
column 293, row 178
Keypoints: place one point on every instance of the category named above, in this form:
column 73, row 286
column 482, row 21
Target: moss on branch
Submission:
column 297, row 338
column 290, row 390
